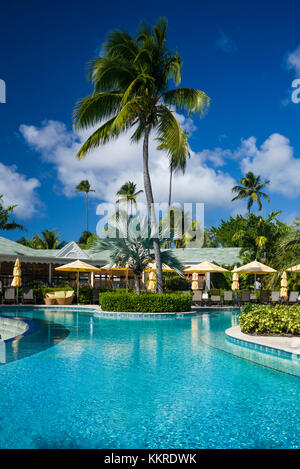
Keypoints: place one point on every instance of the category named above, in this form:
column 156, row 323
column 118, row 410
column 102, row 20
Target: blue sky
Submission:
column 244, row 55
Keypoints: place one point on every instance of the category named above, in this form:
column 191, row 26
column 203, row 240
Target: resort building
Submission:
column 38, row 265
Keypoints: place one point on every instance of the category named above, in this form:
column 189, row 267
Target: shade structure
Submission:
column 114, row 267
column 78, row 266
column 152, row 281
column 235, row 281
column 283, row 285
column 152, row 267
column 295, row 268
column 254, row 267
column 17, row 280
column 195, row 283
column 204, row 267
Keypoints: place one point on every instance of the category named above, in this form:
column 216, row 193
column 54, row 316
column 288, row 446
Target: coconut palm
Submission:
column 131, row 91
column 84, row 186
column 49, row 239
column 250, row 188
column 5, row 221
column 134, row 248
column 128, row 194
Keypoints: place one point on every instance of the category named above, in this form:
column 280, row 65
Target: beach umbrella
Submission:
column 195, row 284
column 77, row 266
column 151, row 267
column 235, row 281
column 17, row 280
column 254, row 267
column 152, row 281
column 205, row 267
column 295, row 268
column 283, row 285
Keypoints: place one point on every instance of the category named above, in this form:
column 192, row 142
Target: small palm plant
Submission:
column 250, row 188
column 128, row 194
column 6, row 224
column 84, row 186
column 133, row 247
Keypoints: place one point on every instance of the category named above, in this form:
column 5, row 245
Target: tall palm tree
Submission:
column 128, row 194
column 131, row 90
column 84, row 186
column 250, row 188
column 5, row 222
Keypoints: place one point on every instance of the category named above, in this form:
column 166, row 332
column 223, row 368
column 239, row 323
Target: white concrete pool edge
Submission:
column 11, row 327
column 285, row 344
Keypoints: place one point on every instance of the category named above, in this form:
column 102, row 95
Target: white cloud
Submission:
column 108, row 167
column 18, row 189
column 293, row 60
column 273, row 160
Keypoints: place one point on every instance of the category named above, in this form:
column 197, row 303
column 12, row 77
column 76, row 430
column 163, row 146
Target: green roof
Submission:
column 11, row 249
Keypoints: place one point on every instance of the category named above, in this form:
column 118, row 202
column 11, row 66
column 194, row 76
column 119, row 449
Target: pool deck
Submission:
column 287, row 344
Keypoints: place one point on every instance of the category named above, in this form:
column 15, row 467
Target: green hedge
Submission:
column 85, row 295
column 145, row 302
column 270, row 320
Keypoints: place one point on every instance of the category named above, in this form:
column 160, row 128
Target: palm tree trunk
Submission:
column 137, row 284
column 170, row 187
column 87, row 213
column 150, row 201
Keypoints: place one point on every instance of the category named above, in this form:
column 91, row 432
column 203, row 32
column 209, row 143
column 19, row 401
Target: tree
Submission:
column 48, row 240
column 131, row 91
column 84, row 186
column 133, row 247
column 128, row 194
column 6, row 224
column 86, row 239
column 250, row 188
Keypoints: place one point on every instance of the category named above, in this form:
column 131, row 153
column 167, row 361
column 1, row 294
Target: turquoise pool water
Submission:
column 83, row 382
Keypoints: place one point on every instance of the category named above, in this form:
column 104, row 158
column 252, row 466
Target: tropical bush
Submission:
column 270, row 320
column 176, row 283
column 145, row 302
column 85, row 295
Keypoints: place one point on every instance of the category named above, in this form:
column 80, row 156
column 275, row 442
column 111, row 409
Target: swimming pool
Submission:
column 84, row 382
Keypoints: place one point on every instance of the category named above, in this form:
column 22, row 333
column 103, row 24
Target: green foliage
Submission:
column 145, row 302
column 6, row 224
column 128, row 194
column 85, row 295
column 176, row 283
column 87, row 239
column 263, row 319
column 84, row 186
column 50, row 239
column 250, row 189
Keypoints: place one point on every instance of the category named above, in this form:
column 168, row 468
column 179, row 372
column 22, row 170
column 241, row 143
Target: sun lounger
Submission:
column 9, row 295
column 275, row 297
column 197, row 298
column 28, row 296
column 253, row 297
column 293, row 298
column 245, row 296
column 215, row 297
column 264, row 297
column 64, row 297
column 227, row 296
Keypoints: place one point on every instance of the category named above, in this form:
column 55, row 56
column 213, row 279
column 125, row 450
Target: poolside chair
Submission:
column 275, row 297
column 9, row 295
column 95, row 296
column 264, row 297
column 253, row 298
column 215, row 297
column 197, row 298
column 28, row 296
column 227, row 297
column 293, row 298
column 245, row 296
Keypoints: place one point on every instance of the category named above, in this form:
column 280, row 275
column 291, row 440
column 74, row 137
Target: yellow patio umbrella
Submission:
column 295, row 268
column 151, row 267
column 78, row 266
column 17, row 280
column 116, row 268
column 195, row 284
column 254, row 267
column 152, row 281
column 235, row 281
column 283, row 285
column 204, row 267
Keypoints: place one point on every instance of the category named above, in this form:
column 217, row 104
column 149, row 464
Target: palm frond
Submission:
column 187, row 100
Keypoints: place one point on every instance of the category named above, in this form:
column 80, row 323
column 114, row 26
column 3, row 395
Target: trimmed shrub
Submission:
column 146, row 302
column 176, row 283
column 270, row 320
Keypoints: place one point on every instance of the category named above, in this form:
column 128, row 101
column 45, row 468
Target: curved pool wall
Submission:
column 146, row 384
column 10, row 328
